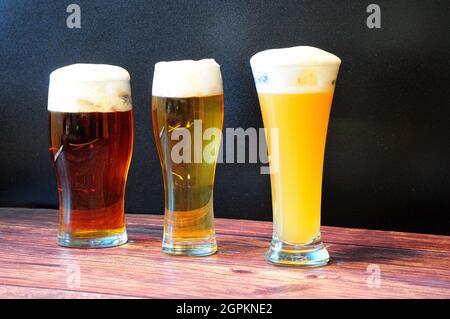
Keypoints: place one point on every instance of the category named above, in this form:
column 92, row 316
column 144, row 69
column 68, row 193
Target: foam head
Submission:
column 301, row 69
column 89, row 88
column 187, row 78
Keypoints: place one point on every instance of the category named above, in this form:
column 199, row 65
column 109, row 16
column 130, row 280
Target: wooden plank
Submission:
column 412, row 266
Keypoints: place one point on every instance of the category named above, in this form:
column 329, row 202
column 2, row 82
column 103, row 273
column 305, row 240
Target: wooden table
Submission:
column 365, row 264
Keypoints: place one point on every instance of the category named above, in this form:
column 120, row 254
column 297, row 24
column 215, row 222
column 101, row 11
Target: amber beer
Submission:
column 91, row 141
column 295, row 88
column 188, row 97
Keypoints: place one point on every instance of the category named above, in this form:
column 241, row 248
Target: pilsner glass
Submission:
column 91, row 141
column 295, row 88
column 187, row 115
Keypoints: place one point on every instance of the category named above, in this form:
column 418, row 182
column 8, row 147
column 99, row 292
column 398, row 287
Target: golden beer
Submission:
column 91, row 142
column 295, row 89
column 189, row 179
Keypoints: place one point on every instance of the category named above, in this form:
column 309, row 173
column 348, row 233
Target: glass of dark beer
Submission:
column 90, row 143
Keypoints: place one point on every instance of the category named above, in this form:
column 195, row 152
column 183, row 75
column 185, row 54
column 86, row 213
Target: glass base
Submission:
column 198, row 248
column 313, row 254
column 68, row 240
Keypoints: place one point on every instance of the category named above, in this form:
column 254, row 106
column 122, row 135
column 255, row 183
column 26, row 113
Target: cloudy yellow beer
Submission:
column 295, row 88
column 302, row 120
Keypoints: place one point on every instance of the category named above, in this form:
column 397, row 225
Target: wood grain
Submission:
column 33, row 266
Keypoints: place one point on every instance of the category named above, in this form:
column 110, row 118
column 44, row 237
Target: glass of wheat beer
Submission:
column 91, row 141
column 187, row 114
column 295, row 88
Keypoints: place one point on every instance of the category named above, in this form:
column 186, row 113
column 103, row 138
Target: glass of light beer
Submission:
column 295, row 88
column 187, row 115
column 91, row 142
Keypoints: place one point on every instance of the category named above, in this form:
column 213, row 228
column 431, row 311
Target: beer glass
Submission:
column 90, row 143
column 295, row 89
column 187, row 115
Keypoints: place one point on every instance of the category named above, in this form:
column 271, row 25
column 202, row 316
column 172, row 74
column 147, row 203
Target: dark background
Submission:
column 387, row 155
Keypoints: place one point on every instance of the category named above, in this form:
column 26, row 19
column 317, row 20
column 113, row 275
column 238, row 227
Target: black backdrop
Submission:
column 387, row 155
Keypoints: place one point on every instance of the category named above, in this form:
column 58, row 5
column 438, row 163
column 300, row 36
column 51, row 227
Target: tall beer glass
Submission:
column 295, row 88
column 187, row 114
column 91, row 141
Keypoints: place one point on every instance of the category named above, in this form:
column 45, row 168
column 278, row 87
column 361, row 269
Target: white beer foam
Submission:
column 187, row 78
column 301, row 69
column 89, row 88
